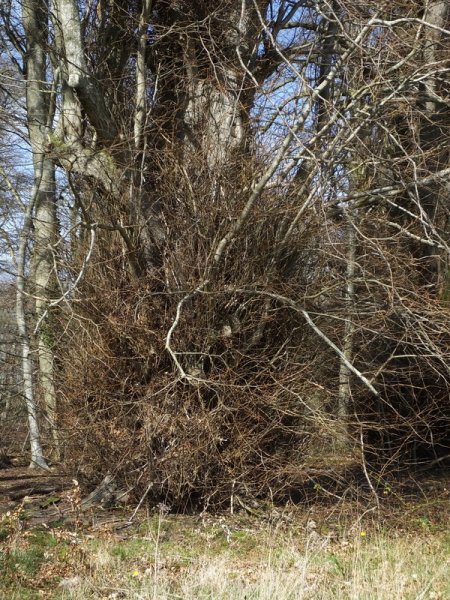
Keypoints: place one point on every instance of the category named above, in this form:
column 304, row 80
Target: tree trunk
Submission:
column 344, row 398
column 433, row 133
column 37, row 456
column 78, row 75
column 210, row 92
column 39, row 118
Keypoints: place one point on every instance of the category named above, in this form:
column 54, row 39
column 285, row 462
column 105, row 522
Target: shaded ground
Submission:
column 49, row 496
column 49, row 500
column 17, row 482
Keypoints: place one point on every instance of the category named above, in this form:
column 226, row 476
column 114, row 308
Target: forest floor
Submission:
column 330, row 547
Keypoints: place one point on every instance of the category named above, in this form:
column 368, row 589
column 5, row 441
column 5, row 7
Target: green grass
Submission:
column 25, row 562
column 132, row 549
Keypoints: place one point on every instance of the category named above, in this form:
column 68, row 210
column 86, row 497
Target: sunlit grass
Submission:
column 264, row 564
column 221, row 558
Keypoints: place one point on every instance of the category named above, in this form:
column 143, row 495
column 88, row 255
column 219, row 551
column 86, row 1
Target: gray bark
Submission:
column 39, row 119
column 434, row 127
column 37, row 456
column 344, row 397
column 141, row 76
column 78, row 76
column 436, row 13
column 214, row 119
column 44, row 226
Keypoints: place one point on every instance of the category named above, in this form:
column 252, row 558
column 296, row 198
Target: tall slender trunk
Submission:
column 37, row 456
column 45, row 230
column 35, row 18
column 344, row 396
column 141, row 76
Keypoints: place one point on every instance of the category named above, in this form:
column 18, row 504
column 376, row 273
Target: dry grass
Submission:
column 375, row 566
column 284, row 556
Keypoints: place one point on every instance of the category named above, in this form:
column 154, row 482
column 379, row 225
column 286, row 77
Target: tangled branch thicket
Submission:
column 257, row 407
column 238, row 420
column 257, row 243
